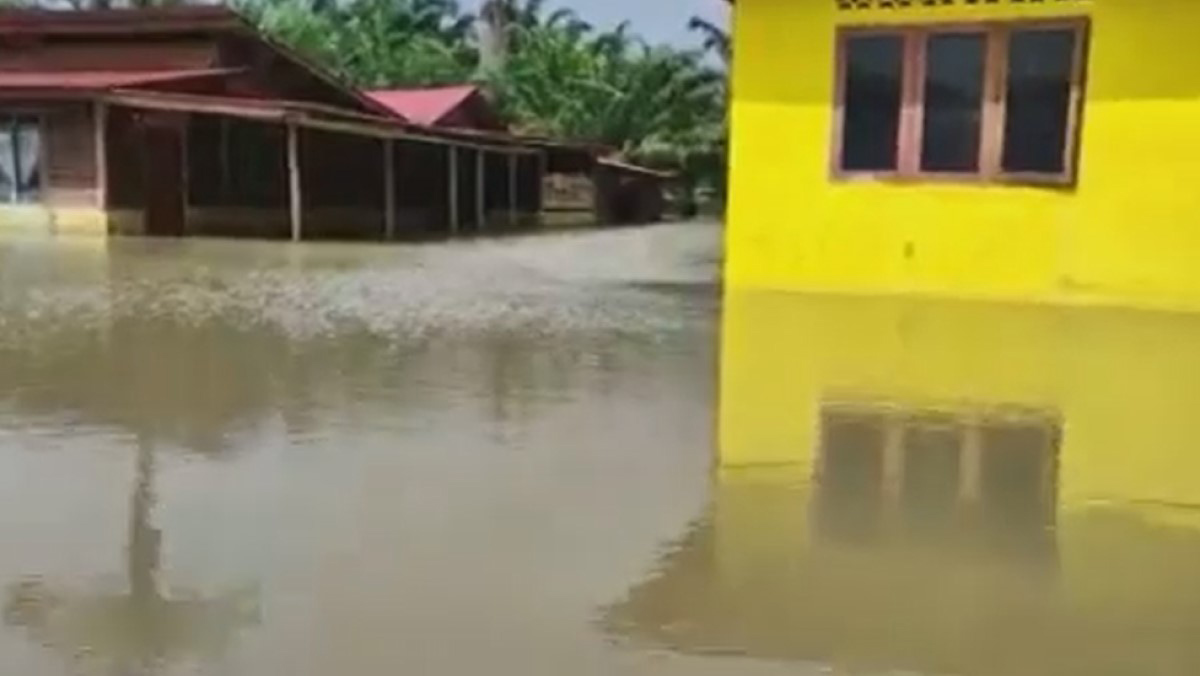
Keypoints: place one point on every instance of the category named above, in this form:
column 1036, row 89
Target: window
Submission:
column 930, row 472
column 20, row 159
column 990, row 101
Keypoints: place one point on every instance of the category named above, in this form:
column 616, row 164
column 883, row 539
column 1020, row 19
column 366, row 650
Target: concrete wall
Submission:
column 1127, row 232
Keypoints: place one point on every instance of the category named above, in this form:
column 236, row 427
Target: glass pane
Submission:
column 851, row 480
column 29, row 159
column 1039, row 99
column 953, row 102
column 8, row 167
column 871, row 128
column 931, row 472
column 1014, row 487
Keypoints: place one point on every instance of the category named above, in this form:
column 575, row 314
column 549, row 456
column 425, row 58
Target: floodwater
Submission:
column 498, row 457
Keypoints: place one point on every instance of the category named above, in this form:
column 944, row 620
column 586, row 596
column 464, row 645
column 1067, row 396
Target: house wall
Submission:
column 1126, row 232
column 69, row 202
column 1122, row 382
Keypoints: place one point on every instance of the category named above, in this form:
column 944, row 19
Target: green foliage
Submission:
column 375, row 43
column 559, row 76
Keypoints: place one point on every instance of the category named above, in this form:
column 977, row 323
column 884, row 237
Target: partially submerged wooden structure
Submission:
column 604, row 188
column 186, row 120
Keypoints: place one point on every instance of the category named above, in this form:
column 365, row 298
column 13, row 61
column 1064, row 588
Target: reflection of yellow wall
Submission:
column 1128, row 232
column 1115, row 595
column 1127, row 384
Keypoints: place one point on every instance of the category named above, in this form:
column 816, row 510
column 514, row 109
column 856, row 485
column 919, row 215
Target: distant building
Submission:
column 1007, row 149
column 606, row 190
column 186, row 120
column 463, row 106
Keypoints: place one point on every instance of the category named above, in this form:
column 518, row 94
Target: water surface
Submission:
column 256, row 458
column 497, row 457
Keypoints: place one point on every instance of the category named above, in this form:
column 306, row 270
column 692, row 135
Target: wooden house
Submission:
column 186, row 120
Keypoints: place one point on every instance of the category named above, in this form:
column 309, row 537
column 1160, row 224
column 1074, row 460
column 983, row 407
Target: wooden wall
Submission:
column 69, row 141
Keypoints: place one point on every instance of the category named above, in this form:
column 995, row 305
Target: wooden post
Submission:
column 970, row 474
column 512, row 189
column 542, row 162
column 100, row 118
column 295, row 200
column 480, row 191
column 223, row 155
column 389, row 189
column 893, row 459
column 453, row 188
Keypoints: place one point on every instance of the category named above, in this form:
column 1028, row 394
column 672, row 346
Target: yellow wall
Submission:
column 1129, row 232
column 1124, row 382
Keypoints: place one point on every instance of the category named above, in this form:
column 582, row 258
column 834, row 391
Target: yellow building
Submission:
column 933, row 457
column 1008, row 149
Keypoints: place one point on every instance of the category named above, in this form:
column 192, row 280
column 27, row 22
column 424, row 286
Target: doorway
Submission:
column 163, row 152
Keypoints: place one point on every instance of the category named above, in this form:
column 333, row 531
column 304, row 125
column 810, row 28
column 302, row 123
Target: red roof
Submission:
column 424, row 106
column 171, row 19
column 94, row 80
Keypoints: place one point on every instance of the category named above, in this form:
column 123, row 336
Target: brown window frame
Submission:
column 995, row 94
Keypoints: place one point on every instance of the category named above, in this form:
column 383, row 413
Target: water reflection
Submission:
column 943, row 487
column 436, row 458
column 142, row 629
column 968, row 472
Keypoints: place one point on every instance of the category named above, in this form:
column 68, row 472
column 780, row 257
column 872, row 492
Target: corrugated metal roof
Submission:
column 427, row 106
column 99, row 80
column 175, row 19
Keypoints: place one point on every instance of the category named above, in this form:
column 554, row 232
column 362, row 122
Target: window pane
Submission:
column 1039, row 99
column 931, row 470
column 871, row 127
column 953, row 102
column 8, row 167
column 1015, row 495
column 851, row 482
column 29, row 159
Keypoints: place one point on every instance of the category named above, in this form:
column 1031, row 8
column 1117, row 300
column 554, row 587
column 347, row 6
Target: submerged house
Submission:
column 595, row 185
column 186, row 120
column 997, row 149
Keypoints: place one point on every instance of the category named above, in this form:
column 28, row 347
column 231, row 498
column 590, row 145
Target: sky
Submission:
column 655, row 20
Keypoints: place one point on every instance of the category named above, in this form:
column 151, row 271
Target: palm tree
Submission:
column 375, row 43
column 138, row 631
column 716, row 39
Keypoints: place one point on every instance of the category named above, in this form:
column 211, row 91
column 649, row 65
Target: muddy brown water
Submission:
column 481, row 457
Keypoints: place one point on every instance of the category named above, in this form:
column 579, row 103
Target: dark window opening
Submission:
column 872, row 101
column 1040, row 82
column 932, row 457
column 20, row 159
column 1016, row 472
column 851, row 480
column 953, row 102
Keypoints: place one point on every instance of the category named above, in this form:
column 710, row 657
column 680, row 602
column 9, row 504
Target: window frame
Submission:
column 9, row 117
column 994, row 105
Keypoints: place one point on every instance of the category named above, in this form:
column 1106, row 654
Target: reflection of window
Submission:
column 997, row 101
column 935, row 470
column 20, row 158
